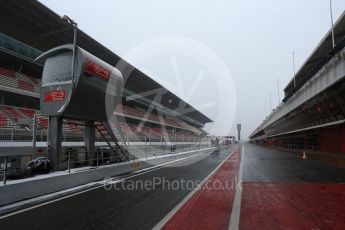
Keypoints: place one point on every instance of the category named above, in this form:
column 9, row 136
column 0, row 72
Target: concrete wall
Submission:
column 16, row 192
column 329, row 75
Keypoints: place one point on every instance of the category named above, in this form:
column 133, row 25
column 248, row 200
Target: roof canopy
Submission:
column 36, row 25
column 319, row 57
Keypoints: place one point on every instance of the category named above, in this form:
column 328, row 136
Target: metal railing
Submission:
column 3, row 170
column 9, row 168
column 143, row 152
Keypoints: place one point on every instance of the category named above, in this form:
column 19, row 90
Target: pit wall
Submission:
column 16, row 192
column 19, row 156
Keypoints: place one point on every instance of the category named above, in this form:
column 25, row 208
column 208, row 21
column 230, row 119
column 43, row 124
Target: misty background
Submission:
column 254, row 39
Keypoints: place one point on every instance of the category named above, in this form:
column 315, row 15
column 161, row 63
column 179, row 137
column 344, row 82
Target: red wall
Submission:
column 343, row 139
column 3, row 121
column 332, row 139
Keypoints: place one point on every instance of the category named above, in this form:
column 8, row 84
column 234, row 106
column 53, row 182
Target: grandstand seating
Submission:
column 11, row 113
column 7, row 73
column 43, row 122
column 133, row 112
column 27, row 112
column 13, row 117
column 19, row 81
column 25, row 85
column 72, row 126
column 3, row 121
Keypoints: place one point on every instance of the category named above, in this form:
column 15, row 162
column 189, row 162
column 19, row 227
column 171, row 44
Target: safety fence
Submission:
column 25, row 165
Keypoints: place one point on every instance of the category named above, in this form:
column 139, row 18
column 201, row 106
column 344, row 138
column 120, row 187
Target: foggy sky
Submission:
column 253, row 38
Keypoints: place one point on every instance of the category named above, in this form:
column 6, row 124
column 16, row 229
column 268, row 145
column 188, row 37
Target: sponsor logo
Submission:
column 97, row 70
column 54, row 95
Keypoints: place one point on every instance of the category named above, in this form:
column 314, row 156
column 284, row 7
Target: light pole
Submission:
column 270, row 110
column 278, row 91
column 331, row 10
column 75, row 27
column 265, row 110
column 294, row 69
column 239, row 127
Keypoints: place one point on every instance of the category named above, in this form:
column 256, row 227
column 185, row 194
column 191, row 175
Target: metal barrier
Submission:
column 142, row 152
column 3, row 169
column 11, row 165
column 138, row 153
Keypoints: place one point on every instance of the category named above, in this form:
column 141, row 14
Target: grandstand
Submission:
column 13, row 117
column 311, row 115
column 28, row 29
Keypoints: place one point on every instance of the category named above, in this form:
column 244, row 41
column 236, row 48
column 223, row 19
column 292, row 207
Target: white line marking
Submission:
column 154, row 168
column 165, row 220
column 9, row 207
column 236, row 208
column 77, row 170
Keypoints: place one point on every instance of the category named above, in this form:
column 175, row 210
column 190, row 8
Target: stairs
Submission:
column 105, row 130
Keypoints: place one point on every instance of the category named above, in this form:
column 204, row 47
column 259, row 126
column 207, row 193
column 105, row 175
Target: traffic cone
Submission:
column 304, row 156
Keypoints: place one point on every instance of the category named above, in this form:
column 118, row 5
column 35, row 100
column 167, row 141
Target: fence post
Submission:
column 12, row 134
column 150, row 137
column 5, row 170
column 174, row 136
column 69, row 162
column 34, row 128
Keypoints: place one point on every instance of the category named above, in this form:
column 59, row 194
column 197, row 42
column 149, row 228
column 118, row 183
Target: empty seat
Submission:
column 7, row 73
column 25, row 85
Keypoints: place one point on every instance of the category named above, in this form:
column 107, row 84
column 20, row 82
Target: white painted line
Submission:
column 9, row 207
column 172, row 154
column 236, row 208
column 88, row 168
column 86, row 186
column 153, row 168
column 165, row 220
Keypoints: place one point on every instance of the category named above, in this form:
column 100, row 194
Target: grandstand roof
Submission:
column 319, row 57
column 37, row 26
